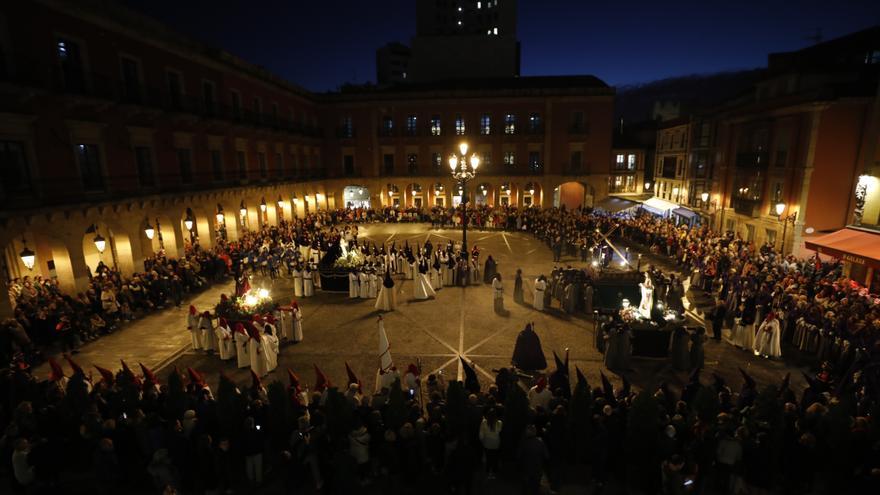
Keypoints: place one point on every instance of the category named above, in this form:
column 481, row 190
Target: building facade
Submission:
column 114, row 126
column 670, row 165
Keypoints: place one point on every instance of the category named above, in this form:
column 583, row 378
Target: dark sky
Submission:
column 321, row 44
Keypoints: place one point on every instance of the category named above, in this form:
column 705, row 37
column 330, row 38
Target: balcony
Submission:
column 752, row 159
column 746, row 206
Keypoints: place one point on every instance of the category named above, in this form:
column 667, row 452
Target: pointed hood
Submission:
column 56, row 373
column 748, row 381
column 581, row 378
column 192, row 310
column 239, row 328
column 294, row 380
column 106, row 375
column 321, row 381
column 607, row 388
column 626, row 387
column 130, row 374
column 150, row 378
column 352, row 378
column 471, row 383
column 786, row 380
column 196, row 378
column 385, row 361
column 77, row 369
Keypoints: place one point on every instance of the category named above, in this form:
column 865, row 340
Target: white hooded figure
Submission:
column 364, row 285
column 353, row 285
column 241, row 346
column 374, row 285
column 297, row 282
column 385, row 299
column 297, row 323
column 767, row 342
column 287, row 323
column 206, row 332
column 647, row 290
column 308, row 283
column 225, row 341
column 538, row 301
column 192, row 325
column 422, row 285
column 257, row 353
column 270, row 347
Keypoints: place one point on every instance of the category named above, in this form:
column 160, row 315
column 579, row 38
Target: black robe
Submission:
column 489, row 270
column 528, row 353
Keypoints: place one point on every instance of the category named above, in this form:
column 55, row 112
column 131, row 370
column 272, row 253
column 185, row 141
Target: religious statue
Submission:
column 647, row 291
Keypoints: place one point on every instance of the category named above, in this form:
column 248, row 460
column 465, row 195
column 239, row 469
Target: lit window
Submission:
column 509, row 124
column 459, row 23
column 485, row 125
column 459, row 126
column 411, row 125
column 435, row 125
column 62, row 49
column 494, row 30
column 404, row 75
column 620, row 159
column 631, row 162
column 459, row 9
column 509, row 158
column 479, row 5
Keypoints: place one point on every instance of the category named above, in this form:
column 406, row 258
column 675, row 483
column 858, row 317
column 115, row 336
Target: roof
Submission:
column 857, row 246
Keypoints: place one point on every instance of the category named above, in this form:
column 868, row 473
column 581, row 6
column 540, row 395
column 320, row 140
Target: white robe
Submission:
column 225, row 344
column 448, row 275
column 353, row 288
column 385, row 301
column 270, row 345
column 538, row 301
column 206, row 334
column 475, row 272
column 374, row 286
column 767, row 342
column 647, row 301
column 241, row 350
column 257, row 354
column 364, row 286
column 402, row 265
column 287, row 324
column 308, row 284
column 192, row 324
column 422, row 286
column 438, row 273
column 297, row 283
column 297, row 325
column 498, row 287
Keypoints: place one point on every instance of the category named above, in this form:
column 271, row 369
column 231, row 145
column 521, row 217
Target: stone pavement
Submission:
column 461, row 321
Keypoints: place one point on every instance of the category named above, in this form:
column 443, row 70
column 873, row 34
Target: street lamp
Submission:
column 149, row 231
column 704, row 197
column 100, row 242
column 789, row 219
column 27, row 256
column 647, row 186
column 221, row 221
column 458, row 165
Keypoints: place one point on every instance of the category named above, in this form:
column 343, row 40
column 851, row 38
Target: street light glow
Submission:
column 780, row 207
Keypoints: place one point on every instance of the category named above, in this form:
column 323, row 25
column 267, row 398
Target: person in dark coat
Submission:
column 527, row 352
column 489, row 270
column 717, row 316
column 678, row 349
column 697, row 355
column 518, row 287
column 618, row 347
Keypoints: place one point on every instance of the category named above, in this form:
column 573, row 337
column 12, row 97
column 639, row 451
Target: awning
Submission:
column 685, row 212
column 614, row 204
column 659, row 206
column 857, row 246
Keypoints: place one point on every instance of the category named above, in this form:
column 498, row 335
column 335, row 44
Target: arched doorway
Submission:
column 573, row 195
column 439, row 195
column 393, row 195
column 531, row 195
column 505, row 194
column 356, row 197
column 483, row 194
column 101, row 244
column 225, row 224
column 414, row 193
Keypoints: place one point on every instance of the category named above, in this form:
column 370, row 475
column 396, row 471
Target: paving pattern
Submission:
column 458, row 322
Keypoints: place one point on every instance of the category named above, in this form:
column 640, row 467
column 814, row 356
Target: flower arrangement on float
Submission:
column 251, row 303
column 350, row 260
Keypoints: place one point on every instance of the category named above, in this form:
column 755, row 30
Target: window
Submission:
column 750, row 233
column 131, row 80
column 144, row 159
column 535, row 161
column 435, row 125
column 412, row 165
column 619, row 163
column 459, row 125
column 208, row 97
column 242, row 164
column 279, row 165
column 437, row 161
column 730, row 225
column 387, row 126
column 412, row 125
column 14, row 173
column 577, row 122
column 534, row 123
column 90, row 167
column 72, row 70
column 575, row 161
column 347, row 130
column 510, row 159
column 184, row 161
column 485, row 125
column 509, row 124
column 388, row 163
column 348, row 164
column 217, row 164
column 258, row 110
column 486, row 159
column 236, row 105
column 631, row 162
column 175, row 90
column 261, row 161
column 771, row 236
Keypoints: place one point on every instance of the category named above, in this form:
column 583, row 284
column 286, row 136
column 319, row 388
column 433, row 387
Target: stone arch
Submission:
column 165, row 237
column 506, row 194
column 226, row 221
column 103, row 244
column 395, row 198
column 532, row 194
column 416, row 196
column 483, row 194
column 439, row 193
column 356, row 196
column 573, row 194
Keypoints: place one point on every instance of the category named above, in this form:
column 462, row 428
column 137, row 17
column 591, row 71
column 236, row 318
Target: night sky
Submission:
column 322, row 44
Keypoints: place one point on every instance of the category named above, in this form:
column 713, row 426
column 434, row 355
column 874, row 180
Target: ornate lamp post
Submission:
column 458, row 163
column 790, row 218
column 221, row 222
column 27, row 256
